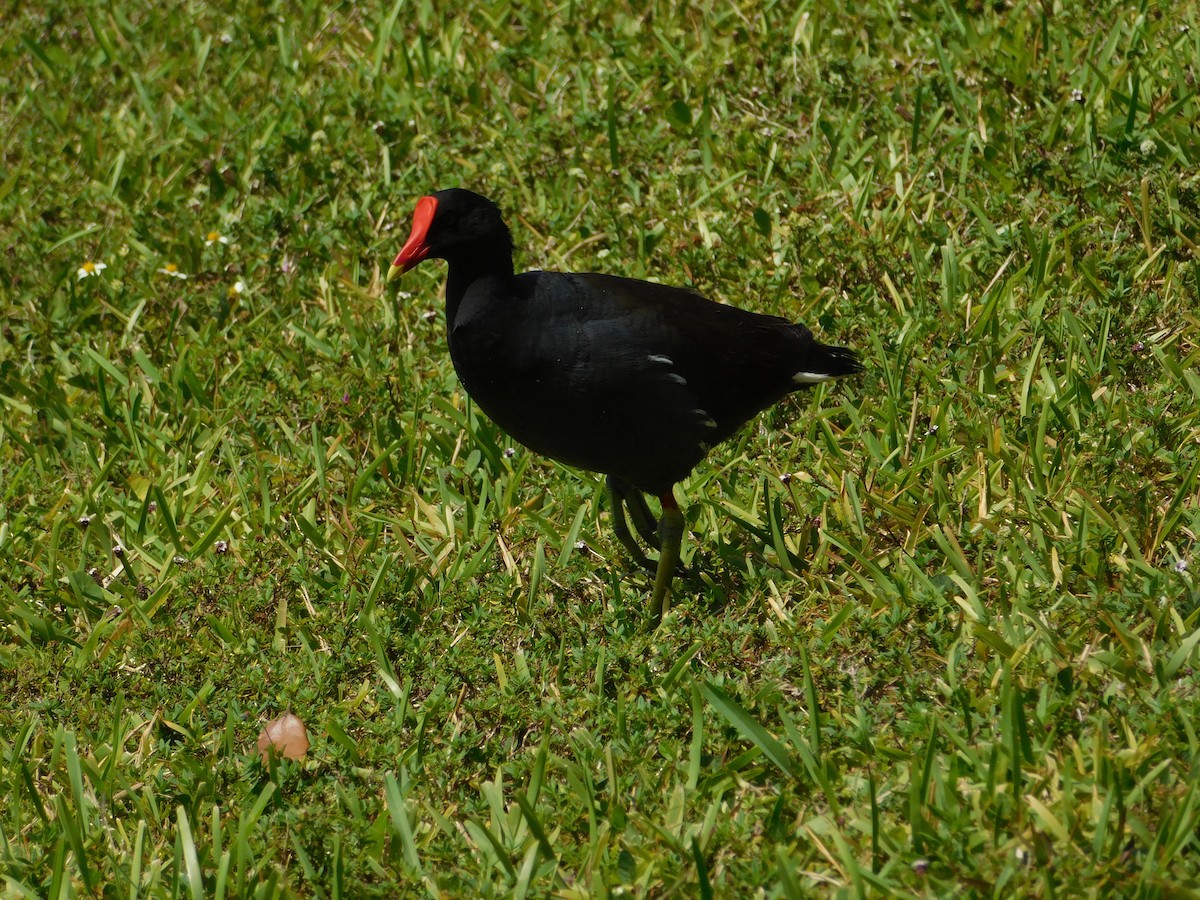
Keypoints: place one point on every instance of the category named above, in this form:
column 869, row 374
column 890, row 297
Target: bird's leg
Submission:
column 643, row 519
column 623, row 496
column 670, row 534
column 618, row 493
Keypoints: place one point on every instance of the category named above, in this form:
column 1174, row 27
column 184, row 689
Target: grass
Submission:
column 944, row 632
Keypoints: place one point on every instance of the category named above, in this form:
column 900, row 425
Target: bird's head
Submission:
column 454, row 224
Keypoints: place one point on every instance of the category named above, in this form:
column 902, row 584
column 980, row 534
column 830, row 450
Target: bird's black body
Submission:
column 629, row 378
column 619, row 376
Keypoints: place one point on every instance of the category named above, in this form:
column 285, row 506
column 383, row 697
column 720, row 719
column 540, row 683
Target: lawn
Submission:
column 942, row 633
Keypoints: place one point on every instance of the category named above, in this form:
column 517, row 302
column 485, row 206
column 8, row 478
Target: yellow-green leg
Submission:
column 670, row 535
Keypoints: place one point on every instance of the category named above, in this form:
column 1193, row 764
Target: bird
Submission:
column 631, row 379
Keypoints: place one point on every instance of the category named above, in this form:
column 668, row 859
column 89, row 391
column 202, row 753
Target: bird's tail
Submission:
column 824, row 363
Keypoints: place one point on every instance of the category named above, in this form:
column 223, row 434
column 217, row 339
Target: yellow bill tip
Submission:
column 394, row 272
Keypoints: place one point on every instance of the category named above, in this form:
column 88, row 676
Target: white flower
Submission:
column 1148, row 147
column 215, row 237
column 172, row 270
column 89, row 268
column 238, row 287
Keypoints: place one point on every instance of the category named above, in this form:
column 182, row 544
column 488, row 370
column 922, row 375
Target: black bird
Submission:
column 632, row 379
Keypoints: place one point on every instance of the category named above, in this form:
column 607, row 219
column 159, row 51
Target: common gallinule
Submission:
column 632, row 379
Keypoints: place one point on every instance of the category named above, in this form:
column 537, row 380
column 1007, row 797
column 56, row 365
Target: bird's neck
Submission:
column 464, row 271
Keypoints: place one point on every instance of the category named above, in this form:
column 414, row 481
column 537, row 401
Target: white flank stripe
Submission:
column 811, row 377
column 659, row 358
